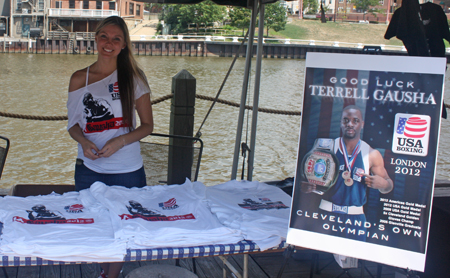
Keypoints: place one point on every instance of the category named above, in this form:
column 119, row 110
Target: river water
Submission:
column 43, row 152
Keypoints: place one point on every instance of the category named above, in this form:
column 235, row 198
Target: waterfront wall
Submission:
column 194, row 48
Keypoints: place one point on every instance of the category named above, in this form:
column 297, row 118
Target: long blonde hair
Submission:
column 127, row 70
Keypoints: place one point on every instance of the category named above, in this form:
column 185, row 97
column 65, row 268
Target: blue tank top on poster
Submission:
column 354, row 195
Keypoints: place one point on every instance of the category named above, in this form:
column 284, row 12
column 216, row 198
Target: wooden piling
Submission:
column 181, row 123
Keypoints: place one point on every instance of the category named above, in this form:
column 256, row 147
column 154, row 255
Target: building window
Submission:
column 381, row 2
column 58, row 4
column 71, row 4
column 41, row 5
column 131, row 8
column 98, row 5
column 112, row 6
column 19, row 4
column 138, row 10
column 85, row 5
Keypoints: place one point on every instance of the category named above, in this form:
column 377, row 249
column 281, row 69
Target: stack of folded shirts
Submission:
column 72, row 227
column 162, row 216
column 259, row 210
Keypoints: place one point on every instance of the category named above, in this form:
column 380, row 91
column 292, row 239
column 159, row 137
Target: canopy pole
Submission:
column 248, row 63
column 251, row 155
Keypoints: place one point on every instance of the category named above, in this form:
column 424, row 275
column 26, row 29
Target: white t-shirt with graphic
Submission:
column 259, row 210
column 162, row 216
column 97, row 109
column 72, row 227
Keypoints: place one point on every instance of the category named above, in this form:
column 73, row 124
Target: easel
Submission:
column 410, row 273
column 346, row 271
column 316, row 270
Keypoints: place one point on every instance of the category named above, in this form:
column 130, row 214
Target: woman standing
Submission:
column 101, row 107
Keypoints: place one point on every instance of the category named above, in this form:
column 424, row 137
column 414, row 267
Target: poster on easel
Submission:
column 367, row 156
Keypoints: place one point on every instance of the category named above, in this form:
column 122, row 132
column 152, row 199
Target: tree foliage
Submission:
column 203, row 13
column 240, row 17
column 206, row 12
column 311, row 6
column 275, row 17
column 366, row 6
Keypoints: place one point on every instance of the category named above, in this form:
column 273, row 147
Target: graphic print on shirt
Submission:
column 114, row 90
column 99, row 113
column 265, row 203
column 39, row 214
column 138, row 211
column 169, row 205
column 76, row 208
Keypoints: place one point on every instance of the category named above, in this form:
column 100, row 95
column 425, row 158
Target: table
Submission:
column 243, row 247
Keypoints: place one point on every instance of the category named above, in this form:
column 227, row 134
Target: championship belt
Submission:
column 320, row 166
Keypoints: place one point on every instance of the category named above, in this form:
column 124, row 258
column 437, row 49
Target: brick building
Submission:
column 46, row 18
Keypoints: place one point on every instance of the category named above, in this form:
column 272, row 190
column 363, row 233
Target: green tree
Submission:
column 366, row 6
column 311, row 6
column 170, row 15
column 240, row 17
column 275, row 17
column 202, row 13
column 179, row 16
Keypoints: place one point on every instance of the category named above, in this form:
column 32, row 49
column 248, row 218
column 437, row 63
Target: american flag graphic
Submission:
column 113, row 87
column 170, row 203
column 413, row 127
column 75, row 207
column 401, row 125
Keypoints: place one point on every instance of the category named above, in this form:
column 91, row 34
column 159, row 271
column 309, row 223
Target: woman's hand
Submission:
column 90, row 150
column 112, row 146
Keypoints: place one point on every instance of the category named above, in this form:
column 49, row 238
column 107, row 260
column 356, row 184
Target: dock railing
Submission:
column 58, row 35
column 16, row 45
column 236, row 39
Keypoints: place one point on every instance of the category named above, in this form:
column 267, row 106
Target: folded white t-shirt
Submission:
column 259, row 210
column 59, row 227
column 162, row 216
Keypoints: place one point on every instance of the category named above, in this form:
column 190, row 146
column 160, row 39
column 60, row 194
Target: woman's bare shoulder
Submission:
column 77, row 80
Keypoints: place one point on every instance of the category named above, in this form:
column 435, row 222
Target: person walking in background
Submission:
column 101, row 107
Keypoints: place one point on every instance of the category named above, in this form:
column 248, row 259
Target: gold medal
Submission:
column 345, row 174
column 348, row 182
column 349, row 161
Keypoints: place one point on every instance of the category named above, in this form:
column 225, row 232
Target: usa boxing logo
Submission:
column 169, row 205
column 411, row 134
column 76, row 208
column 114, row 90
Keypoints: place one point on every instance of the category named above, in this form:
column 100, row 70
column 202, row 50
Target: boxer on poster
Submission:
column 360, row 166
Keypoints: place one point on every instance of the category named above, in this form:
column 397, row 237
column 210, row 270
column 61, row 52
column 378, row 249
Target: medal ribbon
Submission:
column 349, row 163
